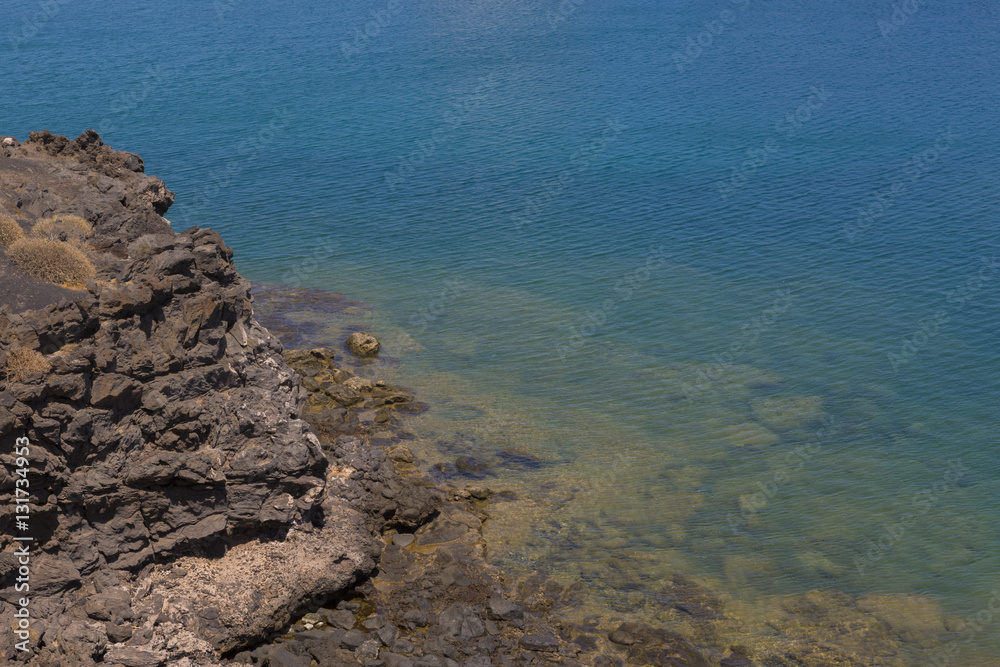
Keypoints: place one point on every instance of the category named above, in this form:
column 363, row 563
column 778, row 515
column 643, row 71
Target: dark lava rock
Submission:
column 621, row 638
column 341, row 618
column 352, row 639
column 373, row 622
column 415, row 618
column 323, row 646
column 402, row 646
column 461, row 623
column 387, row 634
column 368, row 650
column 118, row 633
column 501, row 609
column 395, row 660
column 539, row 641
column 277, row 656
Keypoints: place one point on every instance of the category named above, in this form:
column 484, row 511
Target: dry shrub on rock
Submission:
column 52, row 261
column 10, row 231
column 62, row 228
column 22, row 362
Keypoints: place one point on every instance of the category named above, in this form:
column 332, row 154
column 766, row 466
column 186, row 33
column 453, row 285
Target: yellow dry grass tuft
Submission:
column 22, row 362
column 10, row 231
column 52, row 261
column 62, row 228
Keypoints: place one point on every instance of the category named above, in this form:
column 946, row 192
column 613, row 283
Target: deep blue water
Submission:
column 568, row 215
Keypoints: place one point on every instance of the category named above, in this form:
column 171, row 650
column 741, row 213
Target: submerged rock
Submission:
column 688, row 597
column 788, row 414
column 473, row 467
column 915, row 618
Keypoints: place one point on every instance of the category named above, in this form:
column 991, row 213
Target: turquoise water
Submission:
column 620, row 238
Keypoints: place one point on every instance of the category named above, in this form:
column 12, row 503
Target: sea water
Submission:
column 713, row 287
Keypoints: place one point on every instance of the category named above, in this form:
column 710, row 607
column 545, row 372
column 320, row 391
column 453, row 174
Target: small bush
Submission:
column 62, row 228
column 52, row 261
column 22, row 362
column 10, row 231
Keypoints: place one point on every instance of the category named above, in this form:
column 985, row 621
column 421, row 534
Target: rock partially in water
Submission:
column 401, row 454
column 363, row 344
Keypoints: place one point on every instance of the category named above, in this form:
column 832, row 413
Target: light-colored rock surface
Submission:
column 363, row 344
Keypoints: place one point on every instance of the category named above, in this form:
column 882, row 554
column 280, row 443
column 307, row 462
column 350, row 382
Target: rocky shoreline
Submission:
column 202, row 496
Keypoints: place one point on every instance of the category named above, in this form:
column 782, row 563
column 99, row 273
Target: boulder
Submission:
column 363, row 344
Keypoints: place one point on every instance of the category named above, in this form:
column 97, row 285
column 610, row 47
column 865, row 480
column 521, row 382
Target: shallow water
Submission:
column 581, row 239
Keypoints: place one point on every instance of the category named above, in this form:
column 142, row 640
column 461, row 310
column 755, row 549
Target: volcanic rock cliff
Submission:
column 180, row 509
